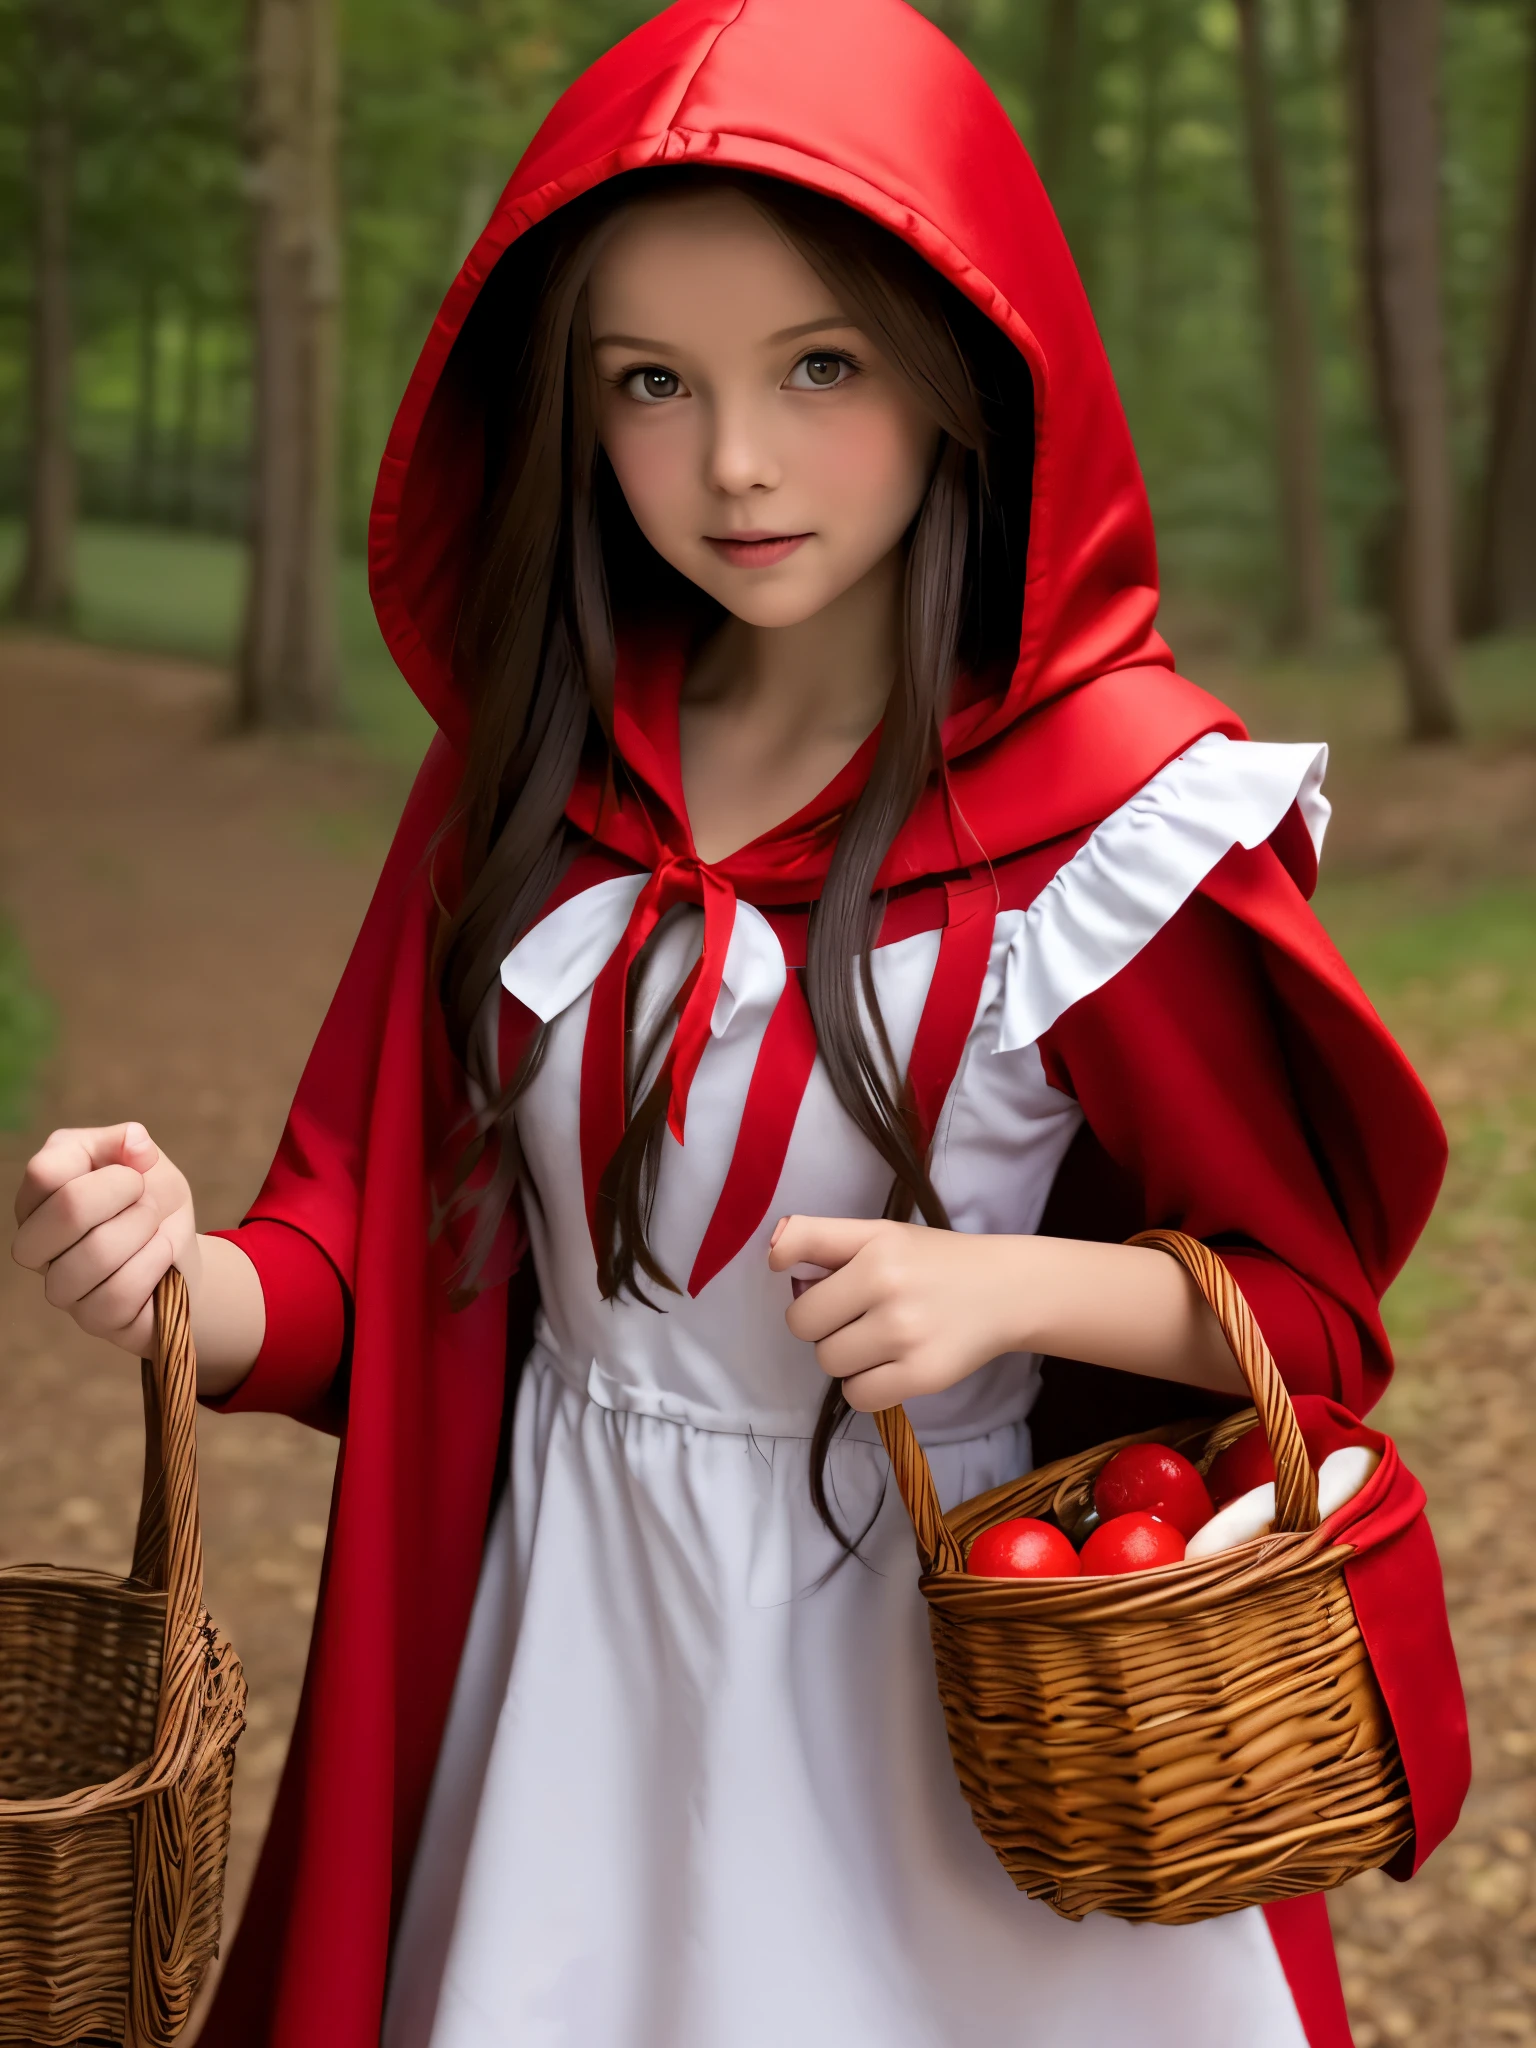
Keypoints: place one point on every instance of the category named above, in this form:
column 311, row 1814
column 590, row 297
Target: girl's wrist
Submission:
column 1124, row 1306
column 229, row 1314
column 1025, row 1285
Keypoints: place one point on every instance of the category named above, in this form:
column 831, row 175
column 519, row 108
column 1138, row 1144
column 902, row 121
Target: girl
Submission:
column 819, row 872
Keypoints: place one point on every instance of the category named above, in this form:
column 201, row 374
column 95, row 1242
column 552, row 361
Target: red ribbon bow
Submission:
column 678, row 878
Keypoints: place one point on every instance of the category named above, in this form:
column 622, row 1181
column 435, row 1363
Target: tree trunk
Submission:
column 957, row 18
column 1502, row 592
column 141, row 488
column 289, row 660
column 190, row 410
column 1153, row 51
column 1064, row 128
column 1055, row 123
column 1393, row 55
column 1292, row 351
column 45, row 588
column 1309, row 41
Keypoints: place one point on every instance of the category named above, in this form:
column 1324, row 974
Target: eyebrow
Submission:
column 662, row 348
column 811, row 326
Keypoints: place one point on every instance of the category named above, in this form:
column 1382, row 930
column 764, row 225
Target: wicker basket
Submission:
column 1177, row 1743
column 120, row 1706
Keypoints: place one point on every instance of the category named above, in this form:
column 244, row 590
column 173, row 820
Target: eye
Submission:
column 652, row 386
column 820, row 372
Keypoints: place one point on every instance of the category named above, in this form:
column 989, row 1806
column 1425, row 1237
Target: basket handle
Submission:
column 1295, row 1481
column 937, row 1548
column 168, row 1548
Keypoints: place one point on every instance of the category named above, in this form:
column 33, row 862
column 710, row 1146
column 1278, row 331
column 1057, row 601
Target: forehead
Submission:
column 711, row 252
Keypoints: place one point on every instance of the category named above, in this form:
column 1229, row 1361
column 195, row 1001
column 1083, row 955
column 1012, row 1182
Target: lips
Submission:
column 755, row 550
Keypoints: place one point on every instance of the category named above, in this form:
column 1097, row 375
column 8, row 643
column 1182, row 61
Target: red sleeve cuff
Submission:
column 1314, row 1339
column 306, row 1335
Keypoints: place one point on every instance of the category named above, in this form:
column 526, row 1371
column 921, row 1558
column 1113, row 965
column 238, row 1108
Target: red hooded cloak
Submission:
column 1273, row 1115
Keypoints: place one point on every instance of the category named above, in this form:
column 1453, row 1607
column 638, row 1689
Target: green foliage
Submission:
column 441, row 96
column 26, row 1030
column 159, row 270
column 1160, row 216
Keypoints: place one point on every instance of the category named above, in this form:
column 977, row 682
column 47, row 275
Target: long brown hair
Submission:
column 536, row 644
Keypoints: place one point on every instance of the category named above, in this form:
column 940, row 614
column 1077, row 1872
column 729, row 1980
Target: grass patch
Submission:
column 26, row 1031
column 1473, row 959
column 163, row 591
column 1352, row 695
column 1457, row 985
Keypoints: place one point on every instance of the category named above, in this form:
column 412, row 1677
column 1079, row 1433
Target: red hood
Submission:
column 888, row 117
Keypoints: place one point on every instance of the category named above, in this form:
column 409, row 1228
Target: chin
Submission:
column 768, row 606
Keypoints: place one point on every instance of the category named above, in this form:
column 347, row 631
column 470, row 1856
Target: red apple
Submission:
column 1136, row 1542
column 1240, row 1468
column 1157, row 1481
column 1023, row 1549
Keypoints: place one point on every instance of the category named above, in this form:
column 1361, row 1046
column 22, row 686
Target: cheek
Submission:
column 654, row 466
column 871, row 470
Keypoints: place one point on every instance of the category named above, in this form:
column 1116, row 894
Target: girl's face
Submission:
column 767, row 449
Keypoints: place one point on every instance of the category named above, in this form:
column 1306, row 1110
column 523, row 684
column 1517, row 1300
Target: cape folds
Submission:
column 1091, row 711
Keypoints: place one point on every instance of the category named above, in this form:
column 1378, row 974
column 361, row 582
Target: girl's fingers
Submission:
column 69, row 1155
column 880, row 1387
column 841, row 1298
column 74, row 1210
column 859, row 1345
column 122, row 1308
column 821, row 1240
column 99, row 1254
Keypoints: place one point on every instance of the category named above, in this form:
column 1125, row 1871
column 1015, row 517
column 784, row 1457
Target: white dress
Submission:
column 694, row 1793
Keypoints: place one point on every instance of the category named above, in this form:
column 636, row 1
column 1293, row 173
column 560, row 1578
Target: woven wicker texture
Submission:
column 1171, row 1744
column 120, row 1706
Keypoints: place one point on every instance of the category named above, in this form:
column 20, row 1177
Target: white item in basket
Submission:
column 1341, row 1476
column 1239, row 1521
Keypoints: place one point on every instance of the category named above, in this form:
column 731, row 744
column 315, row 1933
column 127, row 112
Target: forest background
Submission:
column 1308, row 228
column 1254, row 190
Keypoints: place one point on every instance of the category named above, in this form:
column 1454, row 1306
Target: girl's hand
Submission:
column 907, row 1310
column 103, row 1216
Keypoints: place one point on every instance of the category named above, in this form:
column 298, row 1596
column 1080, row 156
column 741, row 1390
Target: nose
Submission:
column 741, row 457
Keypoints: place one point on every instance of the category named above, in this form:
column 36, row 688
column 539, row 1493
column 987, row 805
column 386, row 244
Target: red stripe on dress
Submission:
column 604, row 1110
column 950, row 1008
column 774, row 1095
column 1304, row 1943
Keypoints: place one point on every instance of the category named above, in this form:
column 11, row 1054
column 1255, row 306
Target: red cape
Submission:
column 1091, row 711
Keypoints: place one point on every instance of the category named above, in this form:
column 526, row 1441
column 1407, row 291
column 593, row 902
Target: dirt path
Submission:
column 188, row 900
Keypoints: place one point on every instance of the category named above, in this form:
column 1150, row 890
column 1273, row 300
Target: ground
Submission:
column 186, row 899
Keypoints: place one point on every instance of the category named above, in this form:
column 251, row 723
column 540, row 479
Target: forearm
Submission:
column 1124, row 1306
column 906, row 1310
column 229, row 1316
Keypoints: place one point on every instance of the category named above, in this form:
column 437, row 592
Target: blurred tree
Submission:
column 1292, row 350
column 1307, row 33
column 1155, row 44
column 1065, row 100
column 151, row 202
column 45, row 587
column 289, row 668
column 147, row 396
column 1502, row 585
column 1393, row 55
column 189, row 408
column 1134, row 108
